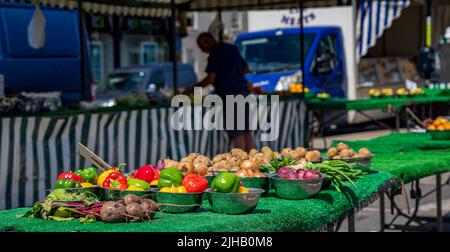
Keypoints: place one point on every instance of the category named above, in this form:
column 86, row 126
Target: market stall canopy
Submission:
column 162, row 8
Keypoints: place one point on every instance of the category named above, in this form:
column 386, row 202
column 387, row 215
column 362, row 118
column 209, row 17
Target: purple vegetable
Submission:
column 300, row 173
column 160, row 165
column 287, row 173
column 311, row 174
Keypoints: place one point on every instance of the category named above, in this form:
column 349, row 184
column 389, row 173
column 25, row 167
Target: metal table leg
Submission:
column 439, row 219
column 382, row 214
column 351, row 221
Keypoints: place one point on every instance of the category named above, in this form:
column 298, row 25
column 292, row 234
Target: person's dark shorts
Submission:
column 237, row 109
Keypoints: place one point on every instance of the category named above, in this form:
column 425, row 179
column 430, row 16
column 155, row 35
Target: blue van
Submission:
column 56, row 66
column 274, row 59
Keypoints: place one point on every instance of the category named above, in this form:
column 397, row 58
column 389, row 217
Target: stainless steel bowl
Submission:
column 297, row 188
column 178, row 202
column 258, row 183
column 362, row 163
column 234, row 203
column 107, row 194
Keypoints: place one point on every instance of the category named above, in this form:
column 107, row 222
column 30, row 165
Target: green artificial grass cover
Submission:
column 409, row 156
column 376, row 103
column 272, row 214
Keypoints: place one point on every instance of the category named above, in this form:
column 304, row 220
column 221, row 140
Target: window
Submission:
column 148, row 53
column 192, row 20
column 273, row 53
column 325, row 54
column 236, row 20
column 97, row 60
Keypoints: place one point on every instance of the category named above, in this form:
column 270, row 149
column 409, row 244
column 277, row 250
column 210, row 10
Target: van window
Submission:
column 273, row 53
column 327, row 48
column 157, row 78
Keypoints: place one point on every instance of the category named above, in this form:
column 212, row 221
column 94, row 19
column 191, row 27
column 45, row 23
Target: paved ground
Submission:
column 368, row 220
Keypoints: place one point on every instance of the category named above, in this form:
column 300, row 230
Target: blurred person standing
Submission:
column 225, row 70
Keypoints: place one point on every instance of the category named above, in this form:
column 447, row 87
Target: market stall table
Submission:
column 392, row 105
column 320, row 213
column 35, row 148
column 410, row 157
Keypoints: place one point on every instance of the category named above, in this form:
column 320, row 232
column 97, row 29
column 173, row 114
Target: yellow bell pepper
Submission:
column 134, row 188
column 86, row 185
column 243, row 189
column 173, row 189
column 154, row 182
column 103, row 176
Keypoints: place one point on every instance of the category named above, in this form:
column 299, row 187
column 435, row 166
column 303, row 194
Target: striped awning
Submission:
column 205, row 5
column 162, row 8
column 374, row 16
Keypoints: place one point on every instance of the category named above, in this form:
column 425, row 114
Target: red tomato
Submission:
column 70, row 176
column 147, row 173
column 195, row 183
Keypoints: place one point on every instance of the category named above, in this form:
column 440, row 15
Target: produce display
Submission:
column 292, row 173
column 131, row 209
column 238, row 179
column 339, row 173
column 297, row 88
column 440, row 123
column 228, row 183
column 342, row 151
column 323, row 96
column 389, row 92
column 172, row 180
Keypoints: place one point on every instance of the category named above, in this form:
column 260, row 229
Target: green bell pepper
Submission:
column 169, row 177
column 67, row 184
column 139, row 183
column 226, row 183
column 88, row 174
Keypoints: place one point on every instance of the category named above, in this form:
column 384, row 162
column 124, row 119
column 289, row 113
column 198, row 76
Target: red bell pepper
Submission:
column 195, row 183
column 70, row 176
column 116, row 180
column 147, row 173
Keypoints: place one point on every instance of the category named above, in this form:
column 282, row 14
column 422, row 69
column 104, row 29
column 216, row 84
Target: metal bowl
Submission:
column 178, row 202
column 108, row 194
column 95, row 190
column 210, row 179
column 234, row 203
column 296, row 188
column 440, row 134
column 258, row 183
column 362, row 163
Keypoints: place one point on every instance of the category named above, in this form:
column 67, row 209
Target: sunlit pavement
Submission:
column 368, row 220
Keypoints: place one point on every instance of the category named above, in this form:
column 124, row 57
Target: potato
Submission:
column 287, row 152
column 266, row 151
column 277, row 154
column 332, row 152
column 221, row 166
column 193, row 155
column 170, row 163
column 300, row 151
column 341, row 146
column 352, row 152
column 253, row 152
column 234, row 161
column 239, row 153
column 249, row 165
column 187, row 159
column 345, row 153
column 364, row 152
column 186, row 168
column 218, row 158
column 201, row 170
column 337, row 157
column 356, row 156
column 312, row 156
